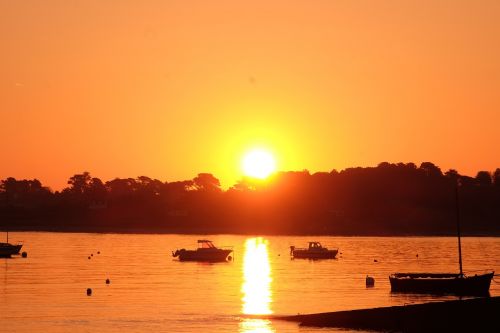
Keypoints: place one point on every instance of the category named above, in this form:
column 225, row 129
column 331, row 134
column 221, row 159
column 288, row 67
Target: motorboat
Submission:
column 314, row 251
column 206, row 251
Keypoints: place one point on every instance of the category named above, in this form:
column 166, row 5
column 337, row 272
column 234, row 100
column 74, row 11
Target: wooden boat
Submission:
column 7, row 249
column 314, row 251
column 206, row 251
column 444, row 283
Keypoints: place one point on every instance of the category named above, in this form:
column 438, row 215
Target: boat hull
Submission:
column 7, row 250
column 307, row 254
column 436, row 283
column 207, row 255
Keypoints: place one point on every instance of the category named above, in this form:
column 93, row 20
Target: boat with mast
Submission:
column 7, row 249
column 444, row 283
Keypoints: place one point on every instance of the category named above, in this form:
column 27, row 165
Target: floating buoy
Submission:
column 91, row 254
column 375, row 260
column 417, row 255
column 24, row 254
column 107, row 281
column 370, row 282
column 89, row 257
column 229, row 258
column 98, row 252
column 89, row 291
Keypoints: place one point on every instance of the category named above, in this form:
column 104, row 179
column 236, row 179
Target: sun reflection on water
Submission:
column 256, row 288
column 257, row 296
column 256, row 326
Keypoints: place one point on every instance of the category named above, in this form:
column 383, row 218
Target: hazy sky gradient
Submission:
column 169, row 89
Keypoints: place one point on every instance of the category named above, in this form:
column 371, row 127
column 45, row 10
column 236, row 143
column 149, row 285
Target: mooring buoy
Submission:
column 98, row 252
column 89, row 291
column 375, row 260
column 108, row 281
column 24, row 254
column 89, row 257
column 370, row 282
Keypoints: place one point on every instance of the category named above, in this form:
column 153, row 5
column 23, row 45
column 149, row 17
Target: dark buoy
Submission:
column 89, row 291
column 91, row 254
column 375, row 260
column 89, row 257
column 107, row 281
column 417, row 255
column 370, row 282
column 229, row 258
column 98, row 252
column 24, row 254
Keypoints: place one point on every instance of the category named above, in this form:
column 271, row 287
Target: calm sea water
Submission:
column 152, row 292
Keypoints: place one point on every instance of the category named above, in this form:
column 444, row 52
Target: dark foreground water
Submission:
column 151, row 292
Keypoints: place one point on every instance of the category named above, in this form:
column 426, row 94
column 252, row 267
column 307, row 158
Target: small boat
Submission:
column 314, row 251
column 206, row 251
column 441, row 283
column 7, row 249
column 444, row 283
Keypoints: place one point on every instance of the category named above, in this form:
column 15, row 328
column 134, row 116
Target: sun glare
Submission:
column 258, row 164
column 256, row 286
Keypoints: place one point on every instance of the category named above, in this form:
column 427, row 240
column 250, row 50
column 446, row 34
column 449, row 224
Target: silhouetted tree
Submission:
column 119, row 188
column 96, row 190
column 452, row 174
column 392, row 198
column 206, row 182
column 79, row 183
column 430, row 169
column 496, row 177
column 483, row 178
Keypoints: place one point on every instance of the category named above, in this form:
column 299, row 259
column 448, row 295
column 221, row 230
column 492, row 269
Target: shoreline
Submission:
column 161, row 231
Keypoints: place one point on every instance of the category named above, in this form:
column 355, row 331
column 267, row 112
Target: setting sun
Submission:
column 258, row 164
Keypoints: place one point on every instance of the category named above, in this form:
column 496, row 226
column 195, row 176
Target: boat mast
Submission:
column 458, row 228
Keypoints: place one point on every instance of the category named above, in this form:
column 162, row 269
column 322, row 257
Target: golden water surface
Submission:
column 151, row 291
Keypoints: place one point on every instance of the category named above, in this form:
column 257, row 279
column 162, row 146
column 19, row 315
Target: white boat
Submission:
column 206, row 251
column 314, row 251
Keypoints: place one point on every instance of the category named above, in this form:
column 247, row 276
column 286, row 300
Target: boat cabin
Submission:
column 315, row 245
column 205, row 244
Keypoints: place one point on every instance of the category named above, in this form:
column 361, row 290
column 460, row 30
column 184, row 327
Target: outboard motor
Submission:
column 292, row 248
column 175, row 254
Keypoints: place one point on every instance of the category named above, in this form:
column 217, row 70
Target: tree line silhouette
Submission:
column 390, row 199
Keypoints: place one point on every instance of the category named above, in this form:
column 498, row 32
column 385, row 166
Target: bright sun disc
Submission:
column 258, row 164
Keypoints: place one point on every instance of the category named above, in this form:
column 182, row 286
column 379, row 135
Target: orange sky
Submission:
column 169, row 89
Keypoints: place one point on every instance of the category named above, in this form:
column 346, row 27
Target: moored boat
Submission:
column 444, row 283
column 206, row 251
column 314, row 251
column 7, row 249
